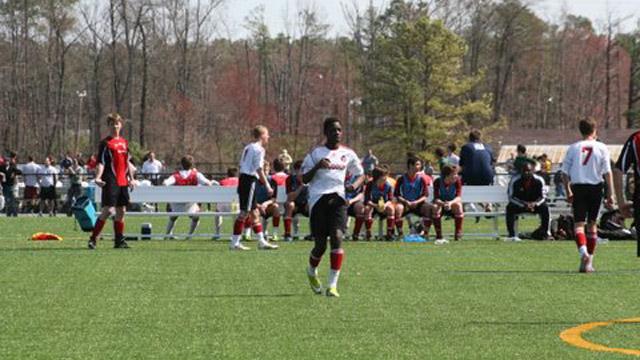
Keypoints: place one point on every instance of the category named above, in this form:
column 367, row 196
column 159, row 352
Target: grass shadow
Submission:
column 214, row 296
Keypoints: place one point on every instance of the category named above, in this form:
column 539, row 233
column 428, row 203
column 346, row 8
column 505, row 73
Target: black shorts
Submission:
column 415, row 211
column 351, row 210
column 48, row 193
column 114, row 195
column 328, row 215
column 301, row 208
column 587, row 199
column 247, row 192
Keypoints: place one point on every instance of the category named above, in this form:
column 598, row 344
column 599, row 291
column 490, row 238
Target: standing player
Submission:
column 188, row 176
column 411, row 191
column 586, row 163
column 114, row 174
column 251, row 171
column 325, row 169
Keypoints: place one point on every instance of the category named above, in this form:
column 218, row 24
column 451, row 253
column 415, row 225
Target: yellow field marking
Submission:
column 574, row 337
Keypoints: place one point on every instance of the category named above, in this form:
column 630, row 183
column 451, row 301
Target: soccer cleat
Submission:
column 584, row 262
column 388, row 237
column 246, row 237
column 239, row 247
column 121, row 245
column 267, row 246
column 332, row 292
column 315, row 283
column 441, row 241
column 92, row 244
column 288, row 238
column 275, row 237
column 513, row 239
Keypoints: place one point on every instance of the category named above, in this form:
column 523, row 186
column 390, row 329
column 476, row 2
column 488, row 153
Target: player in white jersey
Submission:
column 251, row 171
column 324, row 170
column 586, row 164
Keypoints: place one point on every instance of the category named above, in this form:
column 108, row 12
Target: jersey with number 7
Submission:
column 586, row 162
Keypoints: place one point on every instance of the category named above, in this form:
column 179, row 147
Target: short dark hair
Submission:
column 328, row 122
column 440, row 152
column 278, row 165
column 521, row 148
column 447, row 170
column 587, row 127
column 412, row 160
column 30, row 158
column 187, row 162
column 452, row 147
column 232, row 172
column 378, row 172
column 297, row 165
column 475, row 135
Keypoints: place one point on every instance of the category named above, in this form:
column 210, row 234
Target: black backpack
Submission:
column 563, row 228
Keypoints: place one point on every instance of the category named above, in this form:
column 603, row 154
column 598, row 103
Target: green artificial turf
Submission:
column 476, row 299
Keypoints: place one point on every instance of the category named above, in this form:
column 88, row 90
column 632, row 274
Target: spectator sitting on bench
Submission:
column 268, row 205
column 297, row 199
column 447, row 200
column 356, row 208
column 526, row 195
column 188, row 176
column 378, row 200
column 411, row 191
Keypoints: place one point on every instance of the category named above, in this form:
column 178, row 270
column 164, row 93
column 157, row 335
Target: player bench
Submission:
column 494, row 194
column 222, row 197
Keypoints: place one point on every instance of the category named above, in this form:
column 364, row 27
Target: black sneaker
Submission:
column 92, row 244
column 121, row 245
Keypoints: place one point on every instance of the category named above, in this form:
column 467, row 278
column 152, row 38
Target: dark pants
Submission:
column 74, row 192
column 513, row 210
column 10, row 203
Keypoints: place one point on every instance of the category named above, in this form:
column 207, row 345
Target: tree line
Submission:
column 411, row 76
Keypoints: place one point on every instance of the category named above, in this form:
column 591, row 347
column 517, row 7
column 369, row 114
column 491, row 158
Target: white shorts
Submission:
column 191, row 208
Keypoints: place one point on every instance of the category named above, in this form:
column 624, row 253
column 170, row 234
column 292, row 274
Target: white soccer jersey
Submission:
column 47, row 174
column 30, row 171
column 331, row 180
column 586, row 162
column 252, row 159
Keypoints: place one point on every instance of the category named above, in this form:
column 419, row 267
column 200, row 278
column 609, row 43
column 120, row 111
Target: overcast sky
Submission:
column 331, row 12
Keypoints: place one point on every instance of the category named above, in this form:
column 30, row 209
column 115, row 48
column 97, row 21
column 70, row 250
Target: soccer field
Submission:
column 477, row 299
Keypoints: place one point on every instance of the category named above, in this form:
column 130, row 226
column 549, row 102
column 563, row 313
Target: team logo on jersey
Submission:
column 343, row 158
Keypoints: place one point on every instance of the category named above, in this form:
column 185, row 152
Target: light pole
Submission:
column 357, row 102
column 81, row 95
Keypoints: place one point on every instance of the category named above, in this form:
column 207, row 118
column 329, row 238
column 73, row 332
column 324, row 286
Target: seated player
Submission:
column 411, row 193
column 526, row 194
column 188, row 176
column 379, row 201
column 297, row 199
column 447, row 200
column 279, row 175
column 355, row 203
column 268, row 205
